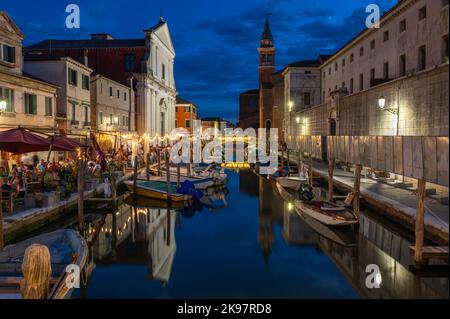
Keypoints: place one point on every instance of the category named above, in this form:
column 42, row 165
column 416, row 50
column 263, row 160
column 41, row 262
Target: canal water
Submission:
column 245, row 241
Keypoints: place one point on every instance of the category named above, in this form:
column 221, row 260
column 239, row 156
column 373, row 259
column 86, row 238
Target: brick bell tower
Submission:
column 266, row 69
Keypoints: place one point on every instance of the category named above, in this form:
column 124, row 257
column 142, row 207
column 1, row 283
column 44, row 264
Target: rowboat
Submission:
column 156, row 190
column 218, row 178
column 199, row 183
column 327, row 213
column 66, row 246
column 292, row 182
column 343, row 236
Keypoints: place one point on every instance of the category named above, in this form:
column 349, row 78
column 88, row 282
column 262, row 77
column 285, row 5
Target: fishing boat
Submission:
column 157, row 190
column 218, row 177
column 327, row 213
column 66, row 247
column 292, row 182
column 199, row 182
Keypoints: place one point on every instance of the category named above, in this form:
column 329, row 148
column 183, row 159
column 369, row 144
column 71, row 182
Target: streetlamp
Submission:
column 382, row 106
column 297, row 119
column 291, row 105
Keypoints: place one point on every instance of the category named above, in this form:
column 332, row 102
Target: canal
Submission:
column 245, row 241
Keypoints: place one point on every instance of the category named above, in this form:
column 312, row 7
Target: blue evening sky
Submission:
column 215, row 41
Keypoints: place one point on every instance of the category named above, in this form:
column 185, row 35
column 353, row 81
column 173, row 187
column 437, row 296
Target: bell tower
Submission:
column 266, row 69
column 266, row 55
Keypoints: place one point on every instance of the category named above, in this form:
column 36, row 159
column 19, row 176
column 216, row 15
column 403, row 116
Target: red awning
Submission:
column 63, row 143
column 19, row 141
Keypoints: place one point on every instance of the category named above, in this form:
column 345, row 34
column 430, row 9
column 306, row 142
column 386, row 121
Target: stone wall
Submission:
column 422, row 100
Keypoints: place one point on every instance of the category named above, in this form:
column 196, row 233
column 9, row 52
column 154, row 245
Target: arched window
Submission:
column 129, row 62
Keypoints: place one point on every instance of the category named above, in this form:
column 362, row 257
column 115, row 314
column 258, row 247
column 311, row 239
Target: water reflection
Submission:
column 245, row 241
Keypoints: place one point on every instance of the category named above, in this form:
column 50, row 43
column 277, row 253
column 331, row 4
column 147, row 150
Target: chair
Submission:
column 7, row 198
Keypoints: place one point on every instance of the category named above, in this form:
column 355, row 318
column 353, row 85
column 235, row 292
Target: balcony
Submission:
column 74, row 122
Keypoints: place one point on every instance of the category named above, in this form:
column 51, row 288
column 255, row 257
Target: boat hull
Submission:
column 155, row 193
column 323, row 217
column 291, row 182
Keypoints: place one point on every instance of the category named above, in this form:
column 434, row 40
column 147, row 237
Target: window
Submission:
column 422, row 63
column 8, row 96
column 188, row 123
column 110, row 91
column 402, row 26
column 386, row 36
column 124, row 96
column 110, row 119
column 335, row 66
column 402, row 65
column 361, row 51
column 372, row 74
column 30, row 103
column 9, row 53
column 324, row 74
column 307, row 98
column 386, row 70
column 86, row 115
column 445, row 48
column 85, row 82
column 343, row 62
column 422, row 13
column 163, row 70
column 48, row 106
column 307, row 72
column 361, row 82
column 444, row 3
column 118, row 94
column 351, row 86
column 100, row 117
column 187, row 109
column 72, row 77
column 372, row 44
column 352, row 57
column 74, row 113
column 343, row 84
column 329, row 70
column 129, row 62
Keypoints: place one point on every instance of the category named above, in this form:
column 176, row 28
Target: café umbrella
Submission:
column 20, row 141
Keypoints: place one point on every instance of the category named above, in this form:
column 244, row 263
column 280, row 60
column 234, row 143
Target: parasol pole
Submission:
column 2, row 243
column 48, row 159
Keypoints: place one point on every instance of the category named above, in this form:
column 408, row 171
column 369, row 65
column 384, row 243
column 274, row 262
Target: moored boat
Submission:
column 199, row 183
column 327, row 213
column 292, row 182
column 157, row 190
column 66, row 246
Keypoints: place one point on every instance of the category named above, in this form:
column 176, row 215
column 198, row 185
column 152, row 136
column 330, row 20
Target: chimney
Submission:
column 84, row 57
column 101, row 36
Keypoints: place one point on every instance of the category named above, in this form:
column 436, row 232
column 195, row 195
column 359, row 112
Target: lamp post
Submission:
column 2, row 109
column 3, row 106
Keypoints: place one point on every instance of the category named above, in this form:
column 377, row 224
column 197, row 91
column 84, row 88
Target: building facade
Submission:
column 145, row 63
column 249, row 109
column 186, row 113
column 73, row 106
column 112, row 105
column 30, row 101
column 413, row 37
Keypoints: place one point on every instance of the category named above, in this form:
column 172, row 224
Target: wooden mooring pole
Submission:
column 288, row 162
column 330, row 179
column 310, row 169
column 300, row 164
column 167, row 158
column 356, row 189
column 135, row 174
column 80, row 185
column 147, row 166
column 113, row 188
column 158, row 154
column 420, row 221
column 178, row 175
column 282, row 157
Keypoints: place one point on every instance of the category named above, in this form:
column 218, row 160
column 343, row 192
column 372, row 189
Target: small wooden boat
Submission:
column 344, row 236
column 157, row 190
column 66, row 247
column 292, row 182
column 199, row 183
column 328, row 213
